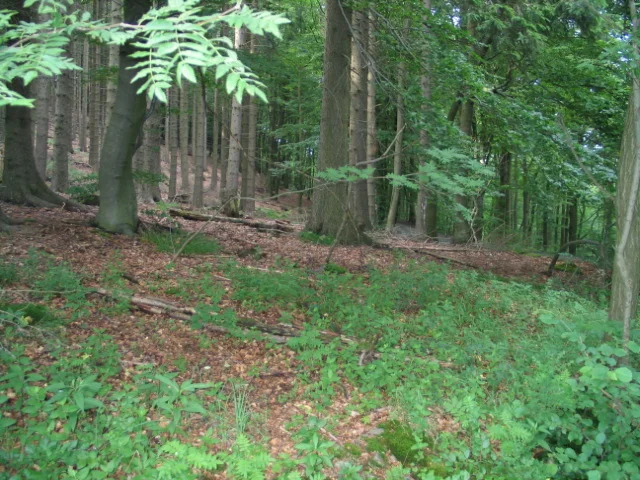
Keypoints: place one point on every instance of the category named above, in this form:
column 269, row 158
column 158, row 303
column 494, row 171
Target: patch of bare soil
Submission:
column 210, row 356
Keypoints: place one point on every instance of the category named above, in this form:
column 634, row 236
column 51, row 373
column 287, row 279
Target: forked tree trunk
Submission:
column 229, row 197
column 330, row 213
column 173, row 140
column 358, row 119
column 62, row 145
column 118, row 208
column 184, row 138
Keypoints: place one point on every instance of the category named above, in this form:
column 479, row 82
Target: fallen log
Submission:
column 278, row 226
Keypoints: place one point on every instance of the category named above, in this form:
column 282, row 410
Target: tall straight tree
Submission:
column 248, row 203
column 330, row 214
column 199, row 146
column 215, row 144
column 426, row 205
column 229, row 196
column 43, row 94
column 184, row 138
column 625, row 285
column 63, row 126
column 358, row 118
column 118, row 211
column 372, row 140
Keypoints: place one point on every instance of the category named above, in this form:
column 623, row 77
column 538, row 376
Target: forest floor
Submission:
column 277, row 398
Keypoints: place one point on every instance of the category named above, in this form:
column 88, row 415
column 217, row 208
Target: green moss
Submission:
column 352, row 449
column 31, row 313
column 171, row 242
column 398, row 438
column 333, row 268
column 568, row 267
column 8, row 273
column 311, row 237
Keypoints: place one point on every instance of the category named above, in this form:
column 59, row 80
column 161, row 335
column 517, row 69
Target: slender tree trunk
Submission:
column 426, row 204
column 62, row 146
column 83, row 103
column 184, row 138
column 229, row 197
column 173, row 140
column 572, row 218
column 462, row 229
column 43, row 93
column 503, row 202
column 372, row 140
column 200, row 143
column 397, row 155
column 113, row 54
column 94, row 109
column 358, row 119
column 215, row 146
column 249, row 175
column 118, row 207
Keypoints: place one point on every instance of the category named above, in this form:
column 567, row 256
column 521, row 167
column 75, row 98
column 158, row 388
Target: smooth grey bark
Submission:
column 358, row 119
column 462, row 232
column 372, row 139
column 214, row 159
column 330, row 214
column 21, row 182
column 94, row 111
column 229, row 196
column 397, row 154
column 224, row 142
column 173, row 140
column 63, row 131
column 248, row 202
column 118, row 208
column 199, row 145
column 625, row 285
column 184, row 138
column 43, row 93
column 84, row 93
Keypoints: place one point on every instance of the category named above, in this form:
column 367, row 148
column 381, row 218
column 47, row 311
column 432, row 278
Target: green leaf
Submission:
column 624, row 374
column 600, row 438
column 594, row 475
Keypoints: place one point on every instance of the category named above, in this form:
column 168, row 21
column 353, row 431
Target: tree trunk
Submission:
column 62, row 146
column 625, row 285
column 572, row 214
column 503, row 202
column 21, row 182
column 113, row 53
column 94, row 110
column 200, row 144
column 229, row 197
column 151, row 154
column 173, row 140
column 43, row 93
column 372, row 140
column 224, row 142
column 426, row 204
column 118, row 208
column 358, row 119
column 184, row 138
column 215, row 145
column 330, row 214
column 249, row 174
column 397, row 155
column 462, row 229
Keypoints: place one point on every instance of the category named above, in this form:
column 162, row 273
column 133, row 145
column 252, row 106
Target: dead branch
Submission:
column 554, row 260
column 278, row 225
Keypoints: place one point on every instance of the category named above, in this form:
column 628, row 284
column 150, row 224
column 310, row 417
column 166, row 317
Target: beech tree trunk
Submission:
column 184, row 138
column 330, row 214
column 229, row 197
column 62, row 146
column 397, row 154
column 43, row 93
column 224, row 142
column 215, row 144
column 248, row 203
column 200, row 144
column 173, row 140
column 426, row 205
column 358, row 119
column 21, row 182
column 372, row 140
column 462, row 229
column 118, row 211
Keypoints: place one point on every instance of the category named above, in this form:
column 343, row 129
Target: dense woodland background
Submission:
column 491, row 126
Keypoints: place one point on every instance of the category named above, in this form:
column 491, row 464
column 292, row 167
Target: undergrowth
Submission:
column 482, row 378
column 172, row 242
